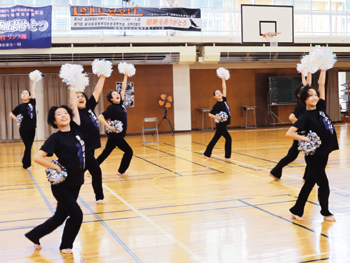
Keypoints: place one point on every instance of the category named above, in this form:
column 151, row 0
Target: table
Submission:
column 247, row 109
column 204, row 112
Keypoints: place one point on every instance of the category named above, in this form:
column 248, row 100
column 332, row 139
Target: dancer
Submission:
column 316, row 120
column 221, row 125
column 25, row 115
column 91, row 135
column 68, row 146
column 276, row 172
column 115, row 112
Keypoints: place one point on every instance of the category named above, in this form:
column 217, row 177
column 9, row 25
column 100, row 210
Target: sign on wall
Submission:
column 129, row 93
column 25, row 27
column 135, row 18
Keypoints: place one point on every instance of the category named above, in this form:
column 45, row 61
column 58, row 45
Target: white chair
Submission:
column 153, row 129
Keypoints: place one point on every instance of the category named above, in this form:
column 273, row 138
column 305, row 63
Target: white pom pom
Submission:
column 79, row 82
column 301, row 68
column 223, row 73
column 126, row 68
column 69, row 72
column 324, row 57
column 35, row 75
column 309, row 63
column 102, row 67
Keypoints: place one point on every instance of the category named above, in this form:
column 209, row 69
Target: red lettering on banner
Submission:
column 112, row 11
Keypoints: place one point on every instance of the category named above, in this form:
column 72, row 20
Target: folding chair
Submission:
column 152, row 129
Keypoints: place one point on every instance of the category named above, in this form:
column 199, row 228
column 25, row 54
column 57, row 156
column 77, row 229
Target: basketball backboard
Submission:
column 258, row 20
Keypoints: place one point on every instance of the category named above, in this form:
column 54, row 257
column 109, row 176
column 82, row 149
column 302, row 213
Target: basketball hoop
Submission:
column 272, row 37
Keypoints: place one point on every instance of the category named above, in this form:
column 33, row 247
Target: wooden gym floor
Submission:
column 175, row 206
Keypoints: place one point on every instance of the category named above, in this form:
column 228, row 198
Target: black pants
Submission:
column 67, row 206
column 290, row 157
column 28, row 139
column 113, row 142
column 92, row 165
column 222, row 131
column 316, row 175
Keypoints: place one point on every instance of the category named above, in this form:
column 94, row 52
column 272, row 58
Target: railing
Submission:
column 218, row 22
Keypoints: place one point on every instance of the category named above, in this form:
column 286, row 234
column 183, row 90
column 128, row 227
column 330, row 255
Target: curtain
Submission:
column 332, row 95
column 56, row 93
column 11, row 87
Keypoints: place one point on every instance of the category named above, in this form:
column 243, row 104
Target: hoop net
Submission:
column 272, row 37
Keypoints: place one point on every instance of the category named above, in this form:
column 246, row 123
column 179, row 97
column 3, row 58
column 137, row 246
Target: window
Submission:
column 264, row 2
column 43, row 2
column 218, row 3
column 320, row 24
column 302, row 5
column 302, row 24
column 154, row 3
column 238, row 3
column 338, row 5
column 283, row 2
column 61, row 2
column 320, row 5
column 201, row 3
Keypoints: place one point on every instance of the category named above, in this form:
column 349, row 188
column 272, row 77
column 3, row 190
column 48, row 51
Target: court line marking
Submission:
column 285, row 219
column 254, row 157
column 286, row 185
column 155, row 215
column 314, row 260
column 105, row 225
column 183, row 159
column 159, row 228
column 116, row 237
column 47, row 202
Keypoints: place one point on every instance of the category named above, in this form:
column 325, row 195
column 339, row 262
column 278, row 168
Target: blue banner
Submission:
column 25, row 27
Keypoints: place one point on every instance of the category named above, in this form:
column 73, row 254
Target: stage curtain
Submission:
column 11, row 87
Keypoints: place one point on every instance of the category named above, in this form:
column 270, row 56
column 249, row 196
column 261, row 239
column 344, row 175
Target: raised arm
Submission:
column 321, row 84
column 102, row 119
column 223, row 87
column 303, row 80
column 74, row 107
column 99, row 87
column 39, row 158
column 125, row 81
column 33, row 91
column 309, row 79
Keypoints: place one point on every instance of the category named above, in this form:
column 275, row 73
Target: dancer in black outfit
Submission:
column 276, row 172
column 316, row 120
column 68, row 146
column 221, row 127
column 90, row 132
column 116, row 111
column 28, row 123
